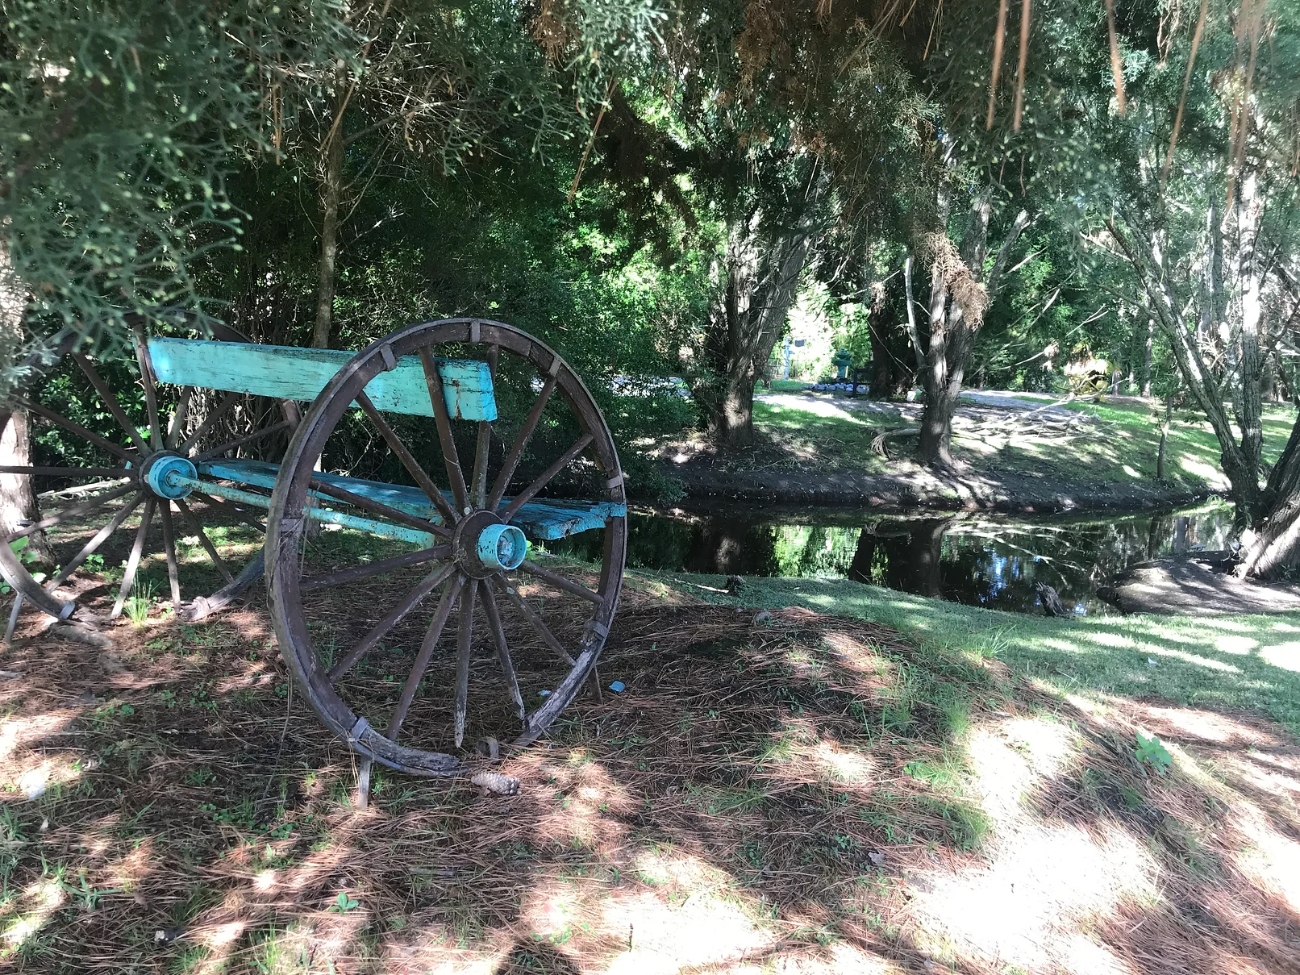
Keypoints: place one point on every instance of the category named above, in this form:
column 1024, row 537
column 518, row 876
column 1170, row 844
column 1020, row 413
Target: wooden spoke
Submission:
column 241, row 441
column 443, row 422
column 177, row 423
column 503, row 650
column 75, row 511
column 377, row 507
column 212, row 419
column 464, row 638
column 502, row 483
column 478, row 475
column 544, row 478
column 408, row 460
column 560, row 582
column 536, row 621
column 78, row 429
column 169, row 550
column 133, row 562
column 66, row 471
column 221, row 504
column 150, row 390
column 426, row 652
column 114, row 407
column 206, row 542
column 395, row 616
column 89, row 548
column 437, row 553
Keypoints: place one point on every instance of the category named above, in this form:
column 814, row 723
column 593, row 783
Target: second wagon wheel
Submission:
column 425, row 614
column 104, row 433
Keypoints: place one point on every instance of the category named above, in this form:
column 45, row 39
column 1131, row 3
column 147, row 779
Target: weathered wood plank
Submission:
column 283, row 372
column 543, row 521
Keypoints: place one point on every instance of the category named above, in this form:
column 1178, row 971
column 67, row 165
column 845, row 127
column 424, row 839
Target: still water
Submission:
column 980, row 560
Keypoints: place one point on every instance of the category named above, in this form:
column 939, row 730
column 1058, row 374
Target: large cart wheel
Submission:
column 105, row 501
column 435, row 627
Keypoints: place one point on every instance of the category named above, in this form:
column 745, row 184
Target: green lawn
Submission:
column 1120, row 447
column 1233, row 662
column 822, row 433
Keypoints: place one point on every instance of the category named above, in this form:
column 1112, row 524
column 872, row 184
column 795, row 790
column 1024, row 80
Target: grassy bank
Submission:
column 1248, row 663
column 1118, row 446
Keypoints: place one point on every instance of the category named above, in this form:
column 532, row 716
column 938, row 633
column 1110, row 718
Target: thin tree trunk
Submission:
column 1148, row 342
column 331, row 190
column 17, row 500
column 1249, row 416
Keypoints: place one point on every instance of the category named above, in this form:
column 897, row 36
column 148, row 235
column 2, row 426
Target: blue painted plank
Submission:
column 543, row 521
column 283, row 372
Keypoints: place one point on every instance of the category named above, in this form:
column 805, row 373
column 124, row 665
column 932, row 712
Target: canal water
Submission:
column 976, row 559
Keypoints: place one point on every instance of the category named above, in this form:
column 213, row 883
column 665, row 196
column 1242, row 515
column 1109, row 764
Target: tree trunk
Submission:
column 331, row 193
column 1276, row 541
column 17, row 500
column 1147, row 342
column 1249, row 412
column 958, row 300
column 863, row 556
column 761, row 287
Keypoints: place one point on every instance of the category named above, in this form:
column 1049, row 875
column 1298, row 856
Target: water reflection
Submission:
column 979, row 560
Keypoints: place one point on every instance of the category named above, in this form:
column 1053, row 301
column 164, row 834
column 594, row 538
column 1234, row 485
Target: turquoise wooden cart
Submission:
column 410, row 595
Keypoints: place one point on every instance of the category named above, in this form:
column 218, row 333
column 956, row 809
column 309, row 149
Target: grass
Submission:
column 832, row 437
column 854, row 780
column 1239, row 663
column 1120, row 448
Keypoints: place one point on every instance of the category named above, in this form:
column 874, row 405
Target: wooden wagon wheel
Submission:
column 362, row 622
column 103, row 490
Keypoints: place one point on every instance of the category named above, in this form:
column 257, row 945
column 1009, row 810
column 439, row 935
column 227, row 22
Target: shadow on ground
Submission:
column 779, row 791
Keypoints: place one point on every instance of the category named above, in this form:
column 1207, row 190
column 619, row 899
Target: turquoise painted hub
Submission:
column 501, row 547
column 158, row 477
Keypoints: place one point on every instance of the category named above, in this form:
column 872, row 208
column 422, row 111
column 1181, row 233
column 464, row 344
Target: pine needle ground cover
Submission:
column 848, row 781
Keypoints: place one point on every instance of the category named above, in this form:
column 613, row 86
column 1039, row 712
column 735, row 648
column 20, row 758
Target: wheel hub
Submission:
column 484, row 545
column 158, row 472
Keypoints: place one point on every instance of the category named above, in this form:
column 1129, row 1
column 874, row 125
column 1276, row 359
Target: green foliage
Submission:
column 1152, row 751
column 117, row 126
column 344, row 903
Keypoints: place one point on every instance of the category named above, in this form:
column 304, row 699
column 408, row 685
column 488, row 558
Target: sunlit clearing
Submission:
column 817, row 407
column 1111, row 639
column 1238, row 645
column 19, row 732
column 1199, row 468
column 1028, row 904
column 221, row 935
column 701, row 931
column 586, row 806
column 1272, row 860
column 1194, row 659
column 40, row 900
column 839, row 764
column 1284, row 655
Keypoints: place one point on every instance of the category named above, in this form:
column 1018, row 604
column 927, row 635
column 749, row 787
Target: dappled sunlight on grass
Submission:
column 788, row 792
column 1284, row 655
